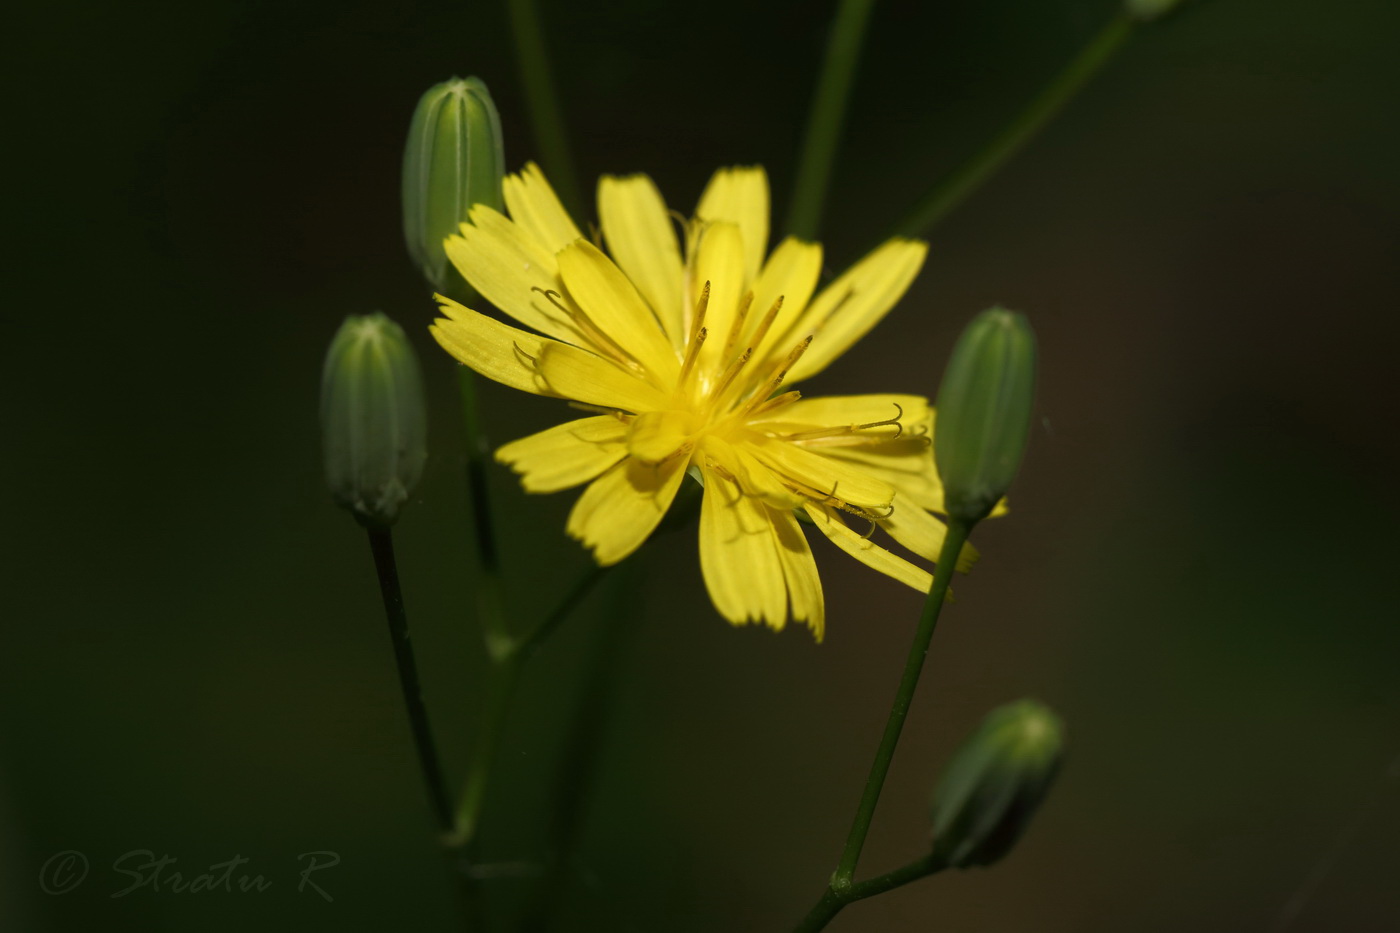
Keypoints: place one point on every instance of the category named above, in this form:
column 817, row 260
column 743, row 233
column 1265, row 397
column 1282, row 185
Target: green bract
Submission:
column 997, row 779
column 984, row 412
column 454, row 159
column 373, row 418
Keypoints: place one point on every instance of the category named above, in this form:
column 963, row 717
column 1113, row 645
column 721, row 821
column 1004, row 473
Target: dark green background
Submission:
column 1198, row 573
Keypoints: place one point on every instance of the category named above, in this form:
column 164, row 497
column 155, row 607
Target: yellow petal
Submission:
column 567, row 454
column 586, row 377
column 497, row 351
column 921, row 533
column 823, row 475
column 642, row 239
column 739, row 196
column 804, row 585
column 506, row 265
column 719, row 260
column 754, row 478
column 905, row 463
column 614, row 306
column 867, row 552
column 849, row 307
column 739, row 556
column 657, row 435
column 534, row 205
column 621, row 508
column 791, row 272
column 841, row 410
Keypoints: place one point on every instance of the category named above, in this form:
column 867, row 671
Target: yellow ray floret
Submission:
column 687, row 344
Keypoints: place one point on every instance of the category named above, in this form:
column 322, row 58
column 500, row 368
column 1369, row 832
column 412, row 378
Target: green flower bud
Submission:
column 997, row 778
column 454, row 159
column 373, row 418
column 1147, row 10
column 984, row 412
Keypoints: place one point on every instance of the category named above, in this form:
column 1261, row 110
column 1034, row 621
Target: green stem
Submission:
column 490, row 590
column 527, row 645
column 841, row 881
column 546, row 117
column 953, row 190
column 823, row 133
column 505, row 676
column 831, row 902
column 381, row 543
column 577, row 771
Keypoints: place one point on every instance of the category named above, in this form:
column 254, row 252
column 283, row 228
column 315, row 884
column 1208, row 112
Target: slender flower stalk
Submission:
column 490, row 585
column 546, row 116
column 843, row 879
column 946, row 195
column 842, row 889
column 824, row 123
column 508, row 664
column 381, row 543
column 577, row 771
column 832, row 902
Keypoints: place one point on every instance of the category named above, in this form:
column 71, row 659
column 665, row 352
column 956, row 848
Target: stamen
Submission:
column 721, row 471
column 588, row 329
column 766, row 323
column 692, row 353
column 771, row 386
column 787, row 328
column 736, row 329
column 776, row 402
column 617, row 413
column 853, row 428
column 730, row 373
column 899, row 428
column 698, row 316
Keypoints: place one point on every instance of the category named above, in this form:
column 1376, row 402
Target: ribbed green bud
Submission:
column 454, row 159
column 373, row 418
column 994, row 784
column 1146, row 10
column 984, row 412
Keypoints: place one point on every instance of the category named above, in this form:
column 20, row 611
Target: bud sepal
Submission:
column 994, row 784
column 373, row 418
column 984, row 413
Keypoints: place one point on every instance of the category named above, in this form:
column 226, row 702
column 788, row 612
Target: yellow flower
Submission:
column 686, row 355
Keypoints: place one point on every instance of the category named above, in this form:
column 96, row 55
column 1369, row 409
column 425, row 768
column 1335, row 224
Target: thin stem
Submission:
column 577, row 770
column 527, row 645
column 490, row 591
column 505, row 676
column 546, row 117
column 831, row 902
column 943, row 197
column 913, row 666
column 823, row 133
column 381, row 543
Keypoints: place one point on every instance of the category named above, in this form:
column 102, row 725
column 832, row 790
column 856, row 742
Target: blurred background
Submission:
column 1198, row 574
